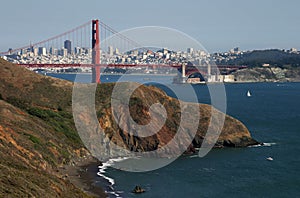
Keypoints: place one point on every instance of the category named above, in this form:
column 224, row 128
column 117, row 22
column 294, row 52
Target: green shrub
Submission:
column 61, row 122
column 34, row 139
column 38, row 113
column 59, row 108
column 22, row 104
column 135, row 101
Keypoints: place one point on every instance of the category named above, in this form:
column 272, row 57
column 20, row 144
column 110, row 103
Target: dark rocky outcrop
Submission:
column 138, row 190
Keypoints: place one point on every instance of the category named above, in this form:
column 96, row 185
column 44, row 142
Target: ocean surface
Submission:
column 272, row 115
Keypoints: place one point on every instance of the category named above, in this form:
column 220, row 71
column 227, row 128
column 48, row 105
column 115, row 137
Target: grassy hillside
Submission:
column 273, row 57
column 37, row 135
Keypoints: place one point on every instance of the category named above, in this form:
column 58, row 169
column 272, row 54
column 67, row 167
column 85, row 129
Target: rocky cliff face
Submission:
column 233, row 133
column 38, row 134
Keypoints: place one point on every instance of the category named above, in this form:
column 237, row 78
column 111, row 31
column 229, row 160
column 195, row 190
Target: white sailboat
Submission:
column 270, row 159
column 249, row 94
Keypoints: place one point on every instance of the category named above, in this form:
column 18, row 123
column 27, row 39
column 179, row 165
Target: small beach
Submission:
column 83, row 174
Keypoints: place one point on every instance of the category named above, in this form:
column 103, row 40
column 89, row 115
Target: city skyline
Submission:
column 217, row 25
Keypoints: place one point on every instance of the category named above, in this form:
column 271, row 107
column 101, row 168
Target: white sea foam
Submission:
column 102, row 170
column 193, row 156
column 113, row 193
column 110, row 180
column 269, row 144
column 263, row 145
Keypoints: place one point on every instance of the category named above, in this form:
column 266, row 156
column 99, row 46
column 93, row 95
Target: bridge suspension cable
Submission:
column 80, row 37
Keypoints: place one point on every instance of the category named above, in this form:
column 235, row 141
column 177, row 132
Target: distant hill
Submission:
column 273, row 57
column 268, row 74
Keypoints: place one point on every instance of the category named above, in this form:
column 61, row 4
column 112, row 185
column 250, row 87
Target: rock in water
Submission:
column 138, row 190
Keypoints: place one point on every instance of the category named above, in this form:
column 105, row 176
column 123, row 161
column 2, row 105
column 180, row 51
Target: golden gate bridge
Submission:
column 88, row 37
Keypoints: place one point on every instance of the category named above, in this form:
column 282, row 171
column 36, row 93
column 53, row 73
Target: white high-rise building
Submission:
column 35, row 51
column 117, row 52
column 190, row 50
column 42, row 51
column 293, row 50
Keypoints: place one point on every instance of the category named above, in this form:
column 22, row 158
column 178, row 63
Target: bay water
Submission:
column 272, row 115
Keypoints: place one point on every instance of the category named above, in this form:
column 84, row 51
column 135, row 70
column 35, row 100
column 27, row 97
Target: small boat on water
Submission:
column 248, row 94
column 270, row 159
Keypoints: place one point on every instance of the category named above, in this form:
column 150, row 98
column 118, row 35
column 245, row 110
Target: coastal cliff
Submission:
column 38, row 138
column 233, row 133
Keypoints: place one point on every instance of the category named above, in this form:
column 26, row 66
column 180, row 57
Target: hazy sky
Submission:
column 218, row 24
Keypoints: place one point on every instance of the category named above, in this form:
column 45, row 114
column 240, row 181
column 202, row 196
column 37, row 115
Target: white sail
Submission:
column 248, row 94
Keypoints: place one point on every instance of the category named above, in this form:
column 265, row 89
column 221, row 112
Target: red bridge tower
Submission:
column 95, row 52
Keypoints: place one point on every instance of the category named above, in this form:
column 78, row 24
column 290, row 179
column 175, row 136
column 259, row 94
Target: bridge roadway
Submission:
column 46, row 65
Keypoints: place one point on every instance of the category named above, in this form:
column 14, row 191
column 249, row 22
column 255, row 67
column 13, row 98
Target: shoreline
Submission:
column 82, row 173
column 110, row 74
column 170, row 75
column 88, row 174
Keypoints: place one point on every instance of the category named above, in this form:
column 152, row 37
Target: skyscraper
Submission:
column 42, row 51
column 68, row 46
column 110, row 50
column 190, row 50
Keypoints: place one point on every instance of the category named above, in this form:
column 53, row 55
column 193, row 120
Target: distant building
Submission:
column 10, row 51
column 135, row 52
column 167, row 56
column 117, row 52
column 149, row 52
column 53, row 51
column 144, row 57
column 64, row 52
column 23, row 51
column 30, row 49
column 190, row 50
column 42, row 51
column 110, row 50
column 235, row 50
column 68, row 46
column 293, row 50
column 202, row 53
column 35, row 51
column 78, row 50
column 165, row 51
